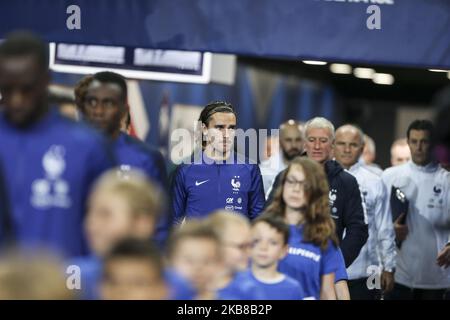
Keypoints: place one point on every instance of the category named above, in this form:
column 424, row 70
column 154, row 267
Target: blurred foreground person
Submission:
column 49, row 162
column 235, row 239
column 123, row 204
column 195, row 254
column 134, row 270
column 33, row 276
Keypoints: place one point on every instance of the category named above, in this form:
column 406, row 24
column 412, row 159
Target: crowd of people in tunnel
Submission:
column 313, row 221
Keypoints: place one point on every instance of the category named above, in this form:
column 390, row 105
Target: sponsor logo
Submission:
column 437, row 190
column 304, row 253
column 52, row 190
column 235, row 183
column 197, row 183
column 332, row 196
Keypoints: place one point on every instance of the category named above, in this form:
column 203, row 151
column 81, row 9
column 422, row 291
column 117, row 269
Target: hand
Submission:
column 443, row 258
column 401, row 230
column 387, row 281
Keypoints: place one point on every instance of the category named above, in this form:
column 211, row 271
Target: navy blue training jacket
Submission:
column 200, row 188
column 137, row 154
column 48, row 168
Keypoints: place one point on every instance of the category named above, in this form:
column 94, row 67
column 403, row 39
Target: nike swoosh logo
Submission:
column 201, row 182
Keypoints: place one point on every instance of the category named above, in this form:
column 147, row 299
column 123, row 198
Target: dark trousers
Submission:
column 359, row 291
column 401, row 292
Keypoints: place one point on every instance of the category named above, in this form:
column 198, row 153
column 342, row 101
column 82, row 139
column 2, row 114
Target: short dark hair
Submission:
column 275, row 222
column 214, row 107
column 135, row 249
column 425, row 125
column 81, row 90
column 210, row 109
column 115, row 78
column 22, row 43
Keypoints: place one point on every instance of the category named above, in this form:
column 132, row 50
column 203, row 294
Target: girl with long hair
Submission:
column 302, row 201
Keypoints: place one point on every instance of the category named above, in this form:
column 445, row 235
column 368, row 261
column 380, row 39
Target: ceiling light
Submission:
column 383, row 78
column 340, row 68
column 314, row 62
column 437, row 70
column 363, row 73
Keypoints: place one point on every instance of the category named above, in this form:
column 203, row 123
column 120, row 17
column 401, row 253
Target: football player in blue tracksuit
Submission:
column 105, row 105
column 48, row 161
column 217, row 178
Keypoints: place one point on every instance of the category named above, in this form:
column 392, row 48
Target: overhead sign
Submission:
column 134, row 63
column 389, row 32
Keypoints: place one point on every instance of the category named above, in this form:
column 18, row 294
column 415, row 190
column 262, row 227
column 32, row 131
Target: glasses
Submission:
column 293, row 182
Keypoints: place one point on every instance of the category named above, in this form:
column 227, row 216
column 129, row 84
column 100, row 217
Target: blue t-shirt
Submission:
column 245, row 286
column 90, row 276
column 341, row 272
column 91, row 273
column 180, row 288
column 307, row 263
column 232, row 291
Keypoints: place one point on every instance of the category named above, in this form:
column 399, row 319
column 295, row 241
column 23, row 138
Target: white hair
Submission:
column 370, row 144
column 319, row 123
column 399, row 142
column 353, row 127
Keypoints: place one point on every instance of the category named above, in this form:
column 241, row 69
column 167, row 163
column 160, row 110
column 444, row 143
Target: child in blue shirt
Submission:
column 263, row 281
column 302, row 201
column 123, row 204
column 234, row 232
column 133, row 270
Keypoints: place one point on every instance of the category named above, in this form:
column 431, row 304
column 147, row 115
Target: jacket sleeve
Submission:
column 179, row 195
column 275, row 185
column 385, row 230
column 101, row 159
column 256, row 199
column 6, row 228
column 356, row 230
column 156, row 169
